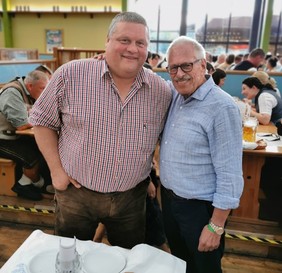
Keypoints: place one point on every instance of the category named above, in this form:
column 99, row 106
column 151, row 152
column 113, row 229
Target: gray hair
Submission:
column 129, row 17
column 199, row 50
column 35, row 76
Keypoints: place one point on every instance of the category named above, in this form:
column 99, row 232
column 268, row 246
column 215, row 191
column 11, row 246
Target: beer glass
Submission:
column 249, row 129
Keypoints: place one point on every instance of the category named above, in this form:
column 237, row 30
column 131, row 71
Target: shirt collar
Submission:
column 21, row 81
column 142, row 76
column 203, row 90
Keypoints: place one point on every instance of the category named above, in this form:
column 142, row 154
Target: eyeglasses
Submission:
column 269, row 136
column 185, row 67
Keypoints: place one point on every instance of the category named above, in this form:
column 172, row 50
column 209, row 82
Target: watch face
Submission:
column 219, row 231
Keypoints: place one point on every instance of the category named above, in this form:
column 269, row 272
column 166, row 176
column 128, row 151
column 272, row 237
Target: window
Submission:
column 220, row 25
column 275, row 43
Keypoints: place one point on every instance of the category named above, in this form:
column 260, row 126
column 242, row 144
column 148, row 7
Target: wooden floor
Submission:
column 19, row 217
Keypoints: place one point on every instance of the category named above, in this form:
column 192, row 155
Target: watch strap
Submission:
column 216, row 229
column 210, row 228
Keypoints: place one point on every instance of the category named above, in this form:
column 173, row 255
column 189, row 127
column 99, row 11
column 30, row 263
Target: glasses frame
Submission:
column 185, row 67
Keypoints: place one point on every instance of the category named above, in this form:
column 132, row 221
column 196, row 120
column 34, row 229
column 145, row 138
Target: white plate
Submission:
column 249, row 145
column 103, row 260
column 43, row 262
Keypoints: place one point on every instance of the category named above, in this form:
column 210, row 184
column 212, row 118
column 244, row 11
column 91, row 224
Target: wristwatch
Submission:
column 216, row 229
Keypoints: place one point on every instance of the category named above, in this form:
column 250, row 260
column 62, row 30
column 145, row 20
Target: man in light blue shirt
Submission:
column 200, row 160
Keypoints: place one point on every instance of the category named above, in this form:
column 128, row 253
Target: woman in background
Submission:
column 219, row 77
column 268, row 105
column 265, row 79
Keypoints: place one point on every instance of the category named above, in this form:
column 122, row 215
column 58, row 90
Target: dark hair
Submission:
column 257, row 52
column 154, row 55
column 217, row 75
column 149, row 55
column 210, row 67
column 253, row 81
column 230, row 58
column 238, row 58
column 272, row 61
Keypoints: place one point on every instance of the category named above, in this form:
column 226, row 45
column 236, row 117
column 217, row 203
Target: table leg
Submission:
column 249, row 203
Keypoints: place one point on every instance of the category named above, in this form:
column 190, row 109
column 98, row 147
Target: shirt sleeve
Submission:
column 46, row 110
column 266, row 103
column 14, row 108
column 226, row 152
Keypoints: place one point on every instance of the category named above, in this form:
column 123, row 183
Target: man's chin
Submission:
column 182, row 85
column 131, row 68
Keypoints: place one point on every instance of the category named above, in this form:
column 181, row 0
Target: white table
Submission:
column 140, row 259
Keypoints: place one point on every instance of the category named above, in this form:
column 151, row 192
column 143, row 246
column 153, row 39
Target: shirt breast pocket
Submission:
column 149, row 133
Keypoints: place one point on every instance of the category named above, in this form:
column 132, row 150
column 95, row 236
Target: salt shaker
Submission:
column 68, row 260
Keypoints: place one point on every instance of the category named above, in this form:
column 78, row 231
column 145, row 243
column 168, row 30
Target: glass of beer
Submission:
column 250, row 125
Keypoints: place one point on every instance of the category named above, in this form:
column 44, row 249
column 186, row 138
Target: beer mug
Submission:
column 250, row 125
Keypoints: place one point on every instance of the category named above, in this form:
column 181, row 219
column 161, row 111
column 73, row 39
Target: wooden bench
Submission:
column 7, row 177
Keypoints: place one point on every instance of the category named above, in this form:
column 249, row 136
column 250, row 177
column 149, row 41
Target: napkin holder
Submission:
column 68, row 260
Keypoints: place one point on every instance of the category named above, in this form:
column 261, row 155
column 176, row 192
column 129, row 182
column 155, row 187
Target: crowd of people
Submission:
column 255, row 60
column 97, row 123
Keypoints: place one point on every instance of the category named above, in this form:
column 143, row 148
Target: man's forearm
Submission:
column 47, row 141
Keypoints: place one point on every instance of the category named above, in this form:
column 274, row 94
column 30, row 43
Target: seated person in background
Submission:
column 255, row 58
column 146, row 64
column 162, row 64
column 219, row 76
column 271, row 64
column 17, row 98
column 154, row 60
column 229, row 60
column 268, row 105
column 265, row 79
column 210, row 68
column 220, row 60
column 238, row 58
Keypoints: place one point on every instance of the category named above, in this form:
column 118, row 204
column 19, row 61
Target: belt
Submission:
column 172, row 194
column 145, row 181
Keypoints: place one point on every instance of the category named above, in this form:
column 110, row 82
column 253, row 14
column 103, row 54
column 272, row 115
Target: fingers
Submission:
column 75, row 183
column 208, row 241
column 207, row 249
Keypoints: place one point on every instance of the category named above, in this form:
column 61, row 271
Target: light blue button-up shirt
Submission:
column 201, row 147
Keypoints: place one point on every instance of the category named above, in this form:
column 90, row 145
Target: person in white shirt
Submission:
column 268, row 105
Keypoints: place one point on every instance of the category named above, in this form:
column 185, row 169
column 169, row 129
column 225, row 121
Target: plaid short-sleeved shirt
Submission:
column 104, row 143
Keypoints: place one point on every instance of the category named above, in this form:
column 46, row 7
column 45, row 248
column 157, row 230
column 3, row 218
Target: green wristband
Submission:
column 210, row 228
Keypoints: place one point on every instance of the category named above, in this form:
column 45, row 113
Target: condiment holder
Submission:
column 68, row 259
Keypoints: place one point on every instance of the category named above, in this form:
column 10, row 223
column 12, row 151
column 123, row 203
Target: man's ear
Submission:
column 28, row 86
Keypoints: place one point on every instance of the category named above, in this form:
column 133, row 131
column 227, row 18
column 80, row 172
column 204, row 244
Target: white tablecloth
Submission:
column 140, row 259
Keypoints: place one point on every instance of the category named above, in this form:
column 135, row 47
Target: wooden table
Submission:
column 253, row 160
